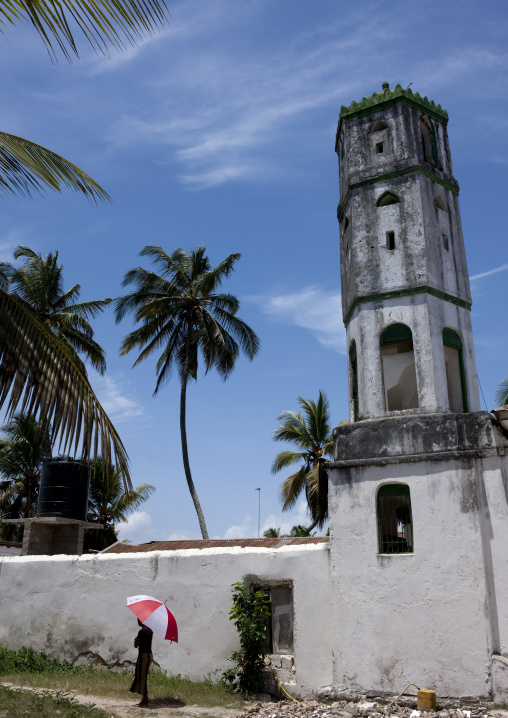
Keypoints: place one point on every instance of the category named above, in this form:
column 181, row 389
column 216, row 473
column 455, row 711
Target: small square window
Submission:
column 446, row 242
column 390, row 240
column 379, row 147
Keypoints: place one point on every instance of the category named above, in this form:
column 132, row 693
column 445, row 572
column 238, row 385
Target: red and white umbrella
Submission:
column 154, row 614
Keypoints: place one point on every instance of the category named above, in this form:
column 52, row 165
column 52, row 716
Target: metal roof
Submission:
column 214, row 543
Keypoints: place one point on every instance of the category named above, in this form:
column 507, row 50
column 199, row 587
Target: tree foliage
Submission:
column 183, row 319
column 250, row 613
column 310, row 432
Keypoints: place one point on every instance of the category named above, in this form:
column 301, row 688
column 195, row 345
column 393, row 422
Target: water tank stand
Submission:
column 53, row 535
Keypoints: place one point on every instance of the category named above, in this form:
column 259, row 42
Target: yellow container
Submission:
column 426, row 700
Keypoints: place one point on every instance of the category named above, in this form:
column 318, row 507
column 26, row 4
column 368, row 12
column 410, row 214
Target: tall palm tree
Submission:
column 21, row 455
column 38, row 284
column 310, row 432
column 180, row 313
column 109, row 503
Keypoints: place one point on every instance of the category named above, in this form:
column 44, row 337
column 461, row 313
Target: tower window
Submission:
column 455, row 372
column 399, row 372
column 446, row 243
column 390, row 240
column 346, row 223
column 440, row 203
column 353, row 363
column 430, row 153
column 378, row 125
column 386, row 199
column 379, row 148
column 394, row 517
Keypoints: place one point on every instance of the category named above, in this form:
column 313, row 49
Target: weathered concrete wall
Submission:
column 435, row 616
column 70, row 606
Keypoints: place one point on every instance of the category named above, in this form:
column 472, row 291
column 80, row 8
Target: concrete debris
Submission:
column 351, row 709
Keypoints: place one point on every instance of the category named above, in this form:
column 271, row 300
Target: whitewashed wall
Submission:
column 72, row 606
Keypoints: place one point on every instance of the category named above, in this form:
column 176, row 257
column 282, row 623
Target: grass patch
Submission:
column 28, row 668
column 23, row 703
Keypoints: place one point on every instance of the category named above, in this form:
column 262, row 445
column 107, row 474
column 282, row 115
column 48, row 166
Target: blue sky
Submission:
column 221, row 131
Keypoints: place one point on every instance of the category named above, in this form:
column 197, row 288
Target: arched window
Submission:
column 394, row 519
column 440, row 203
column 386, row 199
column 346, row 223
column 430, row 153
column 378, row 125
column 353, row 364
column 399, row 373
column 455, row 373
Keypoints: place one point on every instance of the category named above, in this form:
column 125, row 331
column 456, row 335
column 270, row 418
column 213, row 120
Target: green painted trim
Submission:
column 452, row 339
column 397, row 293
column 387, row 194
column 394, row 175
column 387, row 97
column 395, row 333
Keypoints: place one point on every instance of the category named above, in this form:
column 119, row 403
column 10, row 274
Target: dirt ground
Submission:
column 129, row 709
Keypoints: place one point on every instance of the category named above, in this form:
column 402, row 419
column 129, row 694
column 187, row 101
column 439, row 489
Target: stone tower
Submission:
column 419, row 484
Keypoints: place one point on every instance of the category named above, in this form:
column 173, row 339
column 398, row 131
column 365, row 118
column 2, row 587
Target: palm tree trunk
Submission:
column 313, row 525
column 183, row 432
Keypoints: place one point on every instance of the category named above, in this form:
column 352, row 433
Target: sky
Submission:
column 220, row 131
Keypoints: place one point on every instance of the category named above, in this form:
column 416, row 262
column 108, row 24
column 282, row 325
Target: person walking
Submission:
column 143, row 642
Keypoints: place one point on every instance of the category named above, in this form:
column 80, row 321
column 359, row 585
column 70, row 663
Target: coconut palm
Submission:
column 501, row 395
column 109, row 503
column 39, row 284
column 41, row 330
column 21, row 455
column 310, row 432
column 272, row 533
column 181, row 316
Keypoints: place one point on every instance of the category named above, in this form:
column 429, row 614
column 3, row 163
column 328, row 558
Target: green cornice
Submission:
column 393, row 175
column 387, row 97
column 397, row 293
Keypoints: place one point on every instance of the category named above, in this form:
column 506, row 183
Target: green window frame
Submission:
column 395, row 510
column 451, row 339
column 353, row 363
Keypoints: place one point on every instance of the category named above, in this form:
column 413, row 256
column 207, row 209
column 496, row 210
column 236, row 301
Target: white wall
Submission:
column 69, row 605
column 421, row 617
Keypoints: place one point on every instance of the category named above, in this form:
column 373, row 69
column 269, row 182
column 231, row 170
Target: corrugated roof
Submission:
column 215, row 543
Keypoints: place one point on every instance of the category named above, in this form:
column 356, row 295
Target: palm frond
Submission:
column 41, row 376
column 286, row 458
column 501, row 395
column 26, row 167
column 291, row 488
column 104, row 24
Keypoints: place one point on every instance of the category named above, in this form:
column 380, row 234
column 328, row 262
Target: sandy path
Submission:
column 129, row 709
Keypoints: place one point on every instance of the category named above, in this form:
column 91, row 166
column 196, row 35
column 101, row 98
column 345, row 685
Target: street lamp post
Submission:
column 259, row 508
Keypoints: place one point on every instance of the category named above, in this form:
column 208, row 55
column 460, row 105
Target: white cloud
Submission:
column 489, row 272
column 137, row 529
column 244, row 530
column 116, row 399
column 314, row 309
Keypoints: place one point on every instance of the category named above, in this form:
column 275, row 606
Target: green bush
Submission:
column 26, row 660
column 250, row 614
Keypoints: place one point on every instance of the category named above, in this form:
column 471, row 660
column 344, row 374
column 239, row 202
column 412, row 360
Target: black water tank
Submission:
column 63, row 489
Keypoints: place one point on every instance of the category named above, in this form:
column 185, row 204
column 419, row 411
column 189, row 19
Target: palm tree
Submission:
column 37, row 371
column 38, row 285
column 110, row 503
column 501, row 395
column 310, row 432
column 180, row 314
column 272, row 533
column 26, row 166
column 21, row 455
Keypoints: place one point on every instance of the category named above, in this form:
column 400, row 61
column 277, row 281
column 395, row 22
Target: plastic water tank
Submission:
column 63, row 489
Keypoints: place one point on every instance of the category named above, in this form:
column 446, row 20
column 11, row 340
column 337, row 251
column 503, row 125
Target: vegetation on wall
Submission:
column 250, row 614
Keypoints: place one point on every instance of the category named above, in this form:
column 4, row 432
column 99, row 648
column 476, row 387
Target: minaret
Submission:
column 405, row 288
column 418, row 494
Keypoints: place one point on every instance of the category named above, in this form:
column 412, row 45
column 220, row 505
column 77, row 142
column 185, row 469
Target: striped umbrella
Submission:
column 154, row 614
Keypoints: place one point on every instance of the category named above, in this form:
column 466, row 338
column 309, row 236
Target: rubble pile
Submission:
column 361, row 709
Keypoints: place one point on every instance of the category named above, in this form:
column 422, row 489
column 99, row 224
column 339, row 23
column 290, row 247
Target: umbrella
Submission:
column 154, row 614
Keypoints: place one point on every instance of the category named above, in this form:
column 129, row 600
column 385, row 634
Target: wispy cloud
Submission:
column 489, row 272
column 283, row 521
column 117, row 398
column 312, row 308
